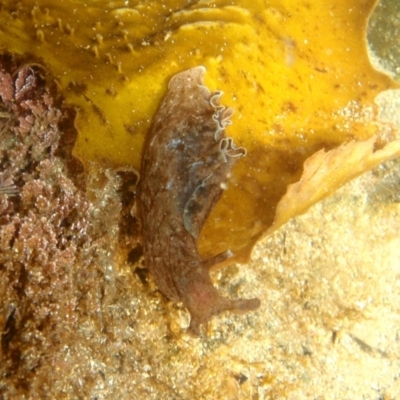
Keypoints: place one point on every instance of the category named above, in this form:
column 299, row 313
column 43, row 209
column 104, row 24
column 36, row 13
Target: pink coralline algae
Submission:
column 43, row 223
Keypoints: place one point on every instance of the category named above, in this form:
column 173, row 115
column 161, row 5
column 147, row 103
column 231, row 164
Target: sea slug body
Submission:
column 186, row 162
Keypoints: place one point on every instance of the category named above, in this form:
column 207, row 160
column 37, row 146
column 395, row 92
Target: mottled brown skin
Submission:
column 186, row 162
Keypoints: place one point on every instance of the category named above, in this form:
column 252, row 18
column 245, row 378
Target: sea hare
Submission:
column 187, row 161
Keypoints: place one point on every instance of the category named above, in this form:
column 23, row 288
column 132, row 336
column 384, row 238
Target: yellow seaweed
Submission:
column 296, row 72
